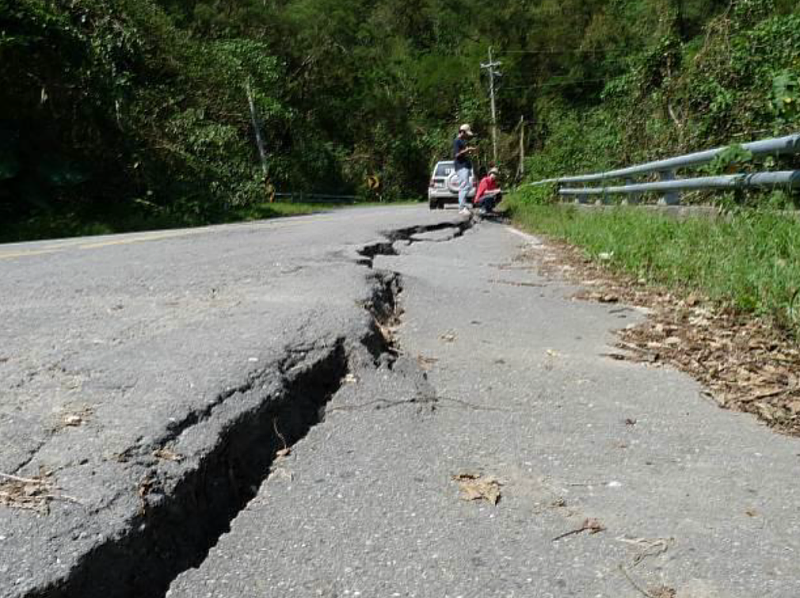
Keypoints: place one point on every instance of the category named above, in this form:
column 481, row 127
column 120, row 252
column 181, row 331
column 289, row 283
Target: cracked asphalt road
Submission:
column 115, row 347
column 500, row 374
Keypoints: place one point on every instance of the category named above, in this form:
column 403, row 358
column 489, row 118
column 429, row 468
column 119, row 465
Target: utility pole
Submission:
column 521, row 168
column 259, row 140
column 491, row 67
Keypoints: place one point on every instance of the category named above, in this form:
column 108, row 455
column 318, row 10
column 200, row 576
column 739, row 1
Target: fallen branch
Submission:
column 593, row 526
column 630, row 579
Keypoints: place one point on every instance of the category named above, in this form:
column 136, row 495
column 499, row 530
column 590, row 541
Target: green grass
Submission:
column 52, row 224
column 748, row 260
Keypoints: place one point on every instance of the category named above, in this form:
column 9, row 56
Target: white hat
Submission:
column 466, row 129
column 494, row 171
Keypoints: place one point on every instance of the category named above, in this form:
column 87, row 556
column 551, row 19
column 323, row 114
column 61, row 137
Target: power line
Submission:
column 553, row 52
column 555, row 84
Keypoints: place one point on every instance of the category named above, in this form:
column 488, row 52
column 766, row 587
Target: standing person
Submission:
column 463, row 165
column 489, row 194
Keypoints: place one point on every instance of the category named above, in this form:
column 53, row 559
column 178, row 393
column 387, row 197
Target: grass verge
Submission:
column 748, row 260
column 53, row 224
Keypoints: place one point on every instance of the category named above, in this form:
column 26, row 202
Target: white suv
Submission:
column 443, row 187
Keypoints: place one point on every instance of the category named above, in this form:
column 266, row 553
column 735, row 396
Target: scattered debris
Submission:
column 448, row 337
column 166, row 454
column 658, row 592
column 285, row 451
column 350, row 379
column 630, row 421
column 744, row 363
column 751, row 512
column 597, row 296
column 33, row 494
column 426, row 363
column 74, row 418
column 476, row 487
column 143, row 490
column 647, row 547
column 593, row 526
column 515, row 283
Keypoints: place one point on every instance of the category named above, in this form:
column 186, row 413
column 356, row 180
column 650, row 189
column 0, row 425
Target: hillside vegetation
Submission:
column 131, row 111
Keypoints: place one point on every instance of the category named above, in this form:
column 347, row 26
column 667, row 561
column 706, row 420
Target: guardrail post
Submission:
column 671, row 198
column 630, row 198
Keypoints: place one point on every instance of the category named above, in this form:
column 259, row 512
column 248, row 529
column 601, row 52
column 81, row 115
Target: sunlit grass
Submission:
column 748, row 259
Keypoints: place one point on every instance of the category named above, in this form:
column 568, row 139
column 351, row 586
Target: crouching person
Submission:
column 488, row 194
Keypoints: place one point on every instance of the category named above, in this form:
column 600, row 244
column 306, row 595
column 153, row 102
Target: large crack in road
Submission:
column 189, row 498
column 614, row 479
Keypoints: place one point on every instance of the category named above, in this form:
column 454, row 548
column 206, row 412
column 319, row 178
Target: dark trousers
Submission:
column 489, row 201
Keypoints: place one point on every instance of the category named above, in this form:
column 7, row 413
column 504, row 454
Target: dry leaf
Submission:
column 744, row 363
column 475, row 487
column 593, row 526
column 426, row 363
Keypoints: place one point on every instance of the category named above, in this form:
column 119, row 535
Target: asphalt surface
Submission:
column 500, row 374
column 170, row 344
column 125, row 359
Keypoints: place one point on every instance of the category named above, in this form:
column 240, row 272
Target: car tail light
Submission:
column 431, row 185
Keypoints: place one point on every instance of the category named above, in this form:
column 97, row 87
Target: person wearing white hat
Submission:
column 463, row 164
column 488, row 194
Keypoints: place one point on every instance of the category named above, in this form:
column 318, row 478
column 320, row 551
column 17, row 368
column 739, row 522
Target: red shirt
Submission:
column 487, row 184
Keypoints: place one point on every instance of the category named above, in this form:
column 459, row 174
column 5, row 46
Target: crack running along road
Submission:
column 692, row 498
column 127, row 368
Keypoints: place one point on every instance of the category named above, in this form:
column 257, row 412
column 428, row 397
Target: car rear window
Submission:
column 444, row 169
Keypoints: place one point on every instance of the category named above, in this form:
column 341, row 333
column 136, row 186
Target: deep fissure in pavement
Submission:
column 183, row 515
column 175, row 529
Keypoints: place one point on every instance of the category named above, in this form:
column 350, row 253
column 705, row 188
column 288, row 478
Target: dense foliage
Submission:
column 139, row 107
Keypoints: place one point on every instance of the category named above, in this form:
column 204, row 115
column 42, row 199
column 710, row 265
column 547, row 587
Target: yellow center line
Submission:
column 81, row 244
column 5, row 256
column 127, row 241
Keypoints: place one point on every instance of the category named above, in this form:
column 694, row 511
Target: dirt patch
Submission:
column 744, row 363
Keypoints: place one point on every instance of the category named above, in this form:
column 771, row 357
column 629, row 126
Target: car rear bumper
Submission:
column 447, row 196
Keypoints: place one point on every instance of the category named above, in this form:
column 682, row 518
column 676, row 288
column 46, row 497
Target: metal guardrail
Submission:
column 671, row 186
